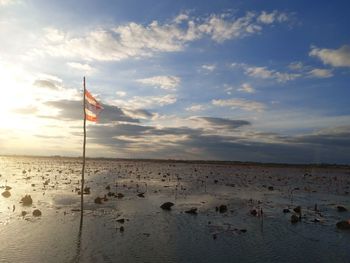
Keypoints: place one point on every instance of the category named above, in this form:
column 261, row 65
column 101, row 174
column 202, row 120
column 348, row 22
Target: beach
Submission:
column 219, row 211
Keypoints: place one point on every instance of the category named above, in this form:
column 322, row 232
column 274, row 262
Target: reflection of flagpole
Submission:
column 83, row 169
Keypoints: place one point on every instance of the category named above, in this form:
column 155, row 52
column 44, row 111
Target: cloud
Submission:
column 246, row 87
column 195, row 107
column 264, row 73
column 320, row 73
column 44, row 83
column 209, row 67
column 82, row 67
column 26, row 110
column 135, row 40
column 223, row 123
column 269, row 18
column 335, row 57
column 8, row 2
column 121, row 93
column 73, row 110
column 240, row 103
column 146, row 102
column 163, row 82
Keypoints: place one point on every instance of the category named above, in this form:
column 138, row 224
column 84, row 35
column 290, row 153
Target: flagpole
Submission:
column 83, row 169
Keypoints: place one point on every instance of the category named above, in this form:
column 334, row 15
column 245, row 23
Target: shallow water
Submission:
column 153, row 235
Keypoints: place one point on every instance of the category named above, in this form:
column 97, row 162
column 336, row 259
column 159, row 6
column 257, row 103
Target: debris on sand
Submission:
column 98, row 200
column 8, row 188
column 286, row 210
column 23, row 213
column 167, row 205
column 6, row 194
column 86, row 190
column 294, row 219
column 121, row 229
column 222, row 208
column 243, row 230
column 343, row 225
column 192, row 211
column 254, row 212
column 270, row 188
column 121, row 220
column 297, row 209
column 36, row 212
column 119, row 195
column 341, row 208
column 27, row 200
column 142, row 195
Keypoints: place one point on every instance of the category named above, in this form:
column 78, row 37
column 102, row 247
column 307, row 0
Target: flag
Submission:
column 92, row 107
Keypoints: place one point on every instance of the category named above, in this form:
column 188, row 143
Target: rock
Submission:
column 294, row 219
column 8, row 188
column 86, row 190
column 142, row 195
column 119, row 195
column 243, row 230
column 23, row 213
column 297, row 209
column 6, row 194
column 286, row 210
column 98, row 200
column 36, row 212
column 215, row 236
column 27, row 200
column 270, row 188
column 345, row 225
column 192, row 211
column 167, row 205
column 108, row 187
column 222, row 208
column 253, row 212
column 121, row 229
column 341, row 208
column 110, row 194
column 121, row 220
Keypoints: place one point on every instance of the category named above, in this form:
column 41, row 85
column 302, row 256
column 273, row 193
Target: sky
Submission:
column 264, row 81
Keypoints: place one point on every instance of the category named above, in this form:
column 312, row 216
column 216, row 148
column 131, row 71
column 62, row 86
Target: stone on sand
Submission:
column 341, row 208
column 222, row 208
column 36, row 212
column 27, row 200
column 98, row 200
column 6, row 194
column 167, row 205
column 294, row 219
column 343, row 225
column 192, row 211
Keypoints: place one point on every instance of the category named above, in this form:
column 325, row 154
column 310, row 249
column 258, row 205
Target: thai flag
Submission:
column 92, row 107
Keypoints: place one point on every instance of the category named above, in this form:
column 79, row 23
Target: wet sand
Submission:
column 128, row 225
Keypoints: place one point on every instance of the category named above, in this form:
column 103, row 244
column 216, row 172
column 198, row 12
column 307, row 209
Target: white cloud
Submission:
column 240, row 103
column 8, row 2
column 138, row 40
column 209, row 67
column 297, row 65
column 146, row 102
column 320, row 73
column 335, row 57
column 269, row 18
column 163, row 82
column 121, row 93
column 195, row 107
column 263, row 72
column 85, row 68
column 246, row 87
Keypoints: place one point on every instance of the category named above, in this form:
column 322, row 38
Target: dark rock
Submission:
column 345, row 225
column 167, row 205
column 98, row 200
column 121, row 229
column 108, row 187
column 27, row 200
column 36, row 212
column 286, row 210
column 110, row 194
column 253, row 212
column 121, row 220
column 341, row 208
column 119, row 195
column 243, row 230
column 215, row 236
column 294, row 219
column 270, row 188
column 222, row 208
column 8, row 187
column 216, row 181
column 23, row 213
column 192, row 211
column 86, row 190
column 142, row 195
column 297, row 209
column 6, row 194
